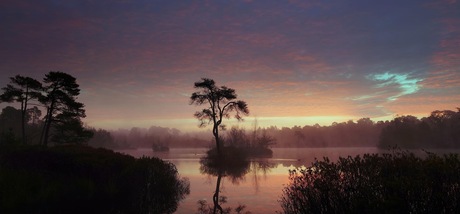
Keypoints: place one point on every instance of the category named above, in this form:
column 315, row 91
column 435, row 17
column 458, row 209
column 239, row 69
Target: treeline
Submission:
column 11, row 133
column 145, row 137
column 363, row 133
column 441, row 129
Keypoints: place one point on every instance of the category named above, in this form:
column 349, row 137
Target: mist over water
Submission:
column 259, row 189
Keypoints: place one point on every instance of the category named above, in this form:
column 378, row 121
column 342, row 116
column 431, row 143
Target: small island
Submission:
column 159, row 147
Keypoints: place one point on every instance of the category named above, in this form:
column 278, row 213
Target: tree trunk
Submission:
column 47, row 125
column 215, row 197
column 215, row 132
column 23, row 120
column 46, row 133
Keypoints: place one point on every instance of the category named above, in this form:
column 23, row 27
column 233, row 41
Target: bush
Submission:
column 388, row 183
column 232, row 162
column 79, row 179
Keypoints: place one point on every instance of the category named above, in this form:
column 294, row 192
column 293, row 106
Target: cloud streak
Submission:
column 403, row 82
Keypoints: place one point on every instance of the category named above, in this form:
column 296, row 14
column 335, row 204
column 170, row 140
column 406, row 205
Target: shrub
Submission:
column 79, row 179
column 388, row 183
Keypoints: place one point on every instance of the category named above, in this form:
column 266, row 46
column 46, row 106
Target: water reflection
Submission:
column 234, row 167
column 259, row 170
column 258, row 190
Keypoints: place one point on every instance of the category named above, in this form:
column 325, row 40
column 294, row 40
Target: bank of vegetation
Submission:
column 80, row 179
column 397, row 182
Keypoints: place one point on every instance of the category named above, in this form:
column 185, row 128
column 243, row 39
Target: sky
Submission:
column 294, row 62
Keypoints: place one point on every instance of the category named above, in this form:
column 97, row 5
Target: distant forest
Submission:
column 441, row 129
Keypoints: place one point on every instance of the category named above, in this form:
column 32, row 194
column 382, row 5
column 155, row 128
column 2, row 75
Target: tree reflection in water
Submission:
column 260, row 168
column 234, row 165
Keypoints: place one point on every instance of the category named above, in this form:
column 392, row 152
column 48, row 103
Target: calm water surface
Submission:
column 259, row 189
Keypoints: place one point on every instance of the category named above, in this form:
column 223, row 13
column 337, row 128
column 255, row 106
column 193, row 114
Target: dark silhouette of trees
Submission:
column 58, row 95
column 62, row 109
column 222, row 103
column 440, row 130
column 21, row 89
column 445, row 127
column 363, row 133
column 68, row 129
column 401, row 131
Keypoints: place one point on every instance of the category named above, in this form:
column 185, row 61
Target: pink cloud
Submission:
column 446, row 61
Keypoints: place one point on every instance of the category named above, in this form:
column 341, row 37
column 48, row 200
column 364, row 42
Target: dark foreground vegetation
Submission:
column 388, row 183
column 79, row 179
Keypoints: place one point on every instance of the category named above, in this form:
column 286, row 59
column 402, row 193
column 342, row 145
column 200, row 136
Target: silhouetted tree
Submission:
column 61, row 91
column 222, row 103
column 21, row 89
column 69, row 129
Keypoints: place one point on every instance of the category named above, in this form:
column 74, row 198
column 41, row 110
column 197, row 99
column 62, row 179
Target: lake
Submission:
column 260, row 188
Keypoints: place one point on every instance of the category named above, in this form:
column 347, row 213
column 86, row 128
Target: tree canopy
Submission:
column 63, row 111
column 22, row 89
column 441, row 129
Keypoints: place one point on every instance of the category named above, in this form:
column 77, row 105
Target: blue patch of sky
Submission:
column 404, row 82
